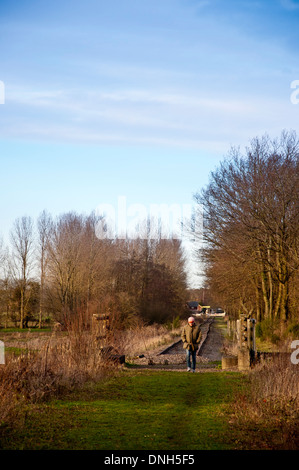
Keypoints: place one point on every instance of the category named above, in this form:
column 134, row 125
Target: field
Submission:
column 57, row 394
column 135, row 411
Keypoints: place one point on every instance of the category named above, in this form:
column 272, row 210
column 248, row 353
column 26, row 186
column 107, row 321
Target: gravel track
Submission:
column 174, row 356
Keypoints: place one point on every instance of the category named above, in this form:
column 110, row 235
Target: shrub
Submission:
column 60, row 364
column 268, row 329
column 271, row 404
column 293, row 330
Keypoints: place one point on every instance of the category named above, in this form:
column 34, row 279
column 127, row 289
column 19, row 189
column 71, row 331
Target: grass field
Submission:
column 57, row 393
column 148, row 410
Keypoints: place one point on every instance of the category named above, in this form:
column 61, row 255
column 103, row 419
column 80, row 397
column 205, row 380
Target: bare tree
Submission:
column 5, row 282
column 251, row 220
column 65, row 256
column 151, row 270
column 44, row 224
column 22, row 245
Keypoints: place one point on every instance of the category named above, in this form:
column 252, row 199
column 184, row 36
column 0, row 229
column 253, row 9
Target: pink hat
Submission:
column 191, row 320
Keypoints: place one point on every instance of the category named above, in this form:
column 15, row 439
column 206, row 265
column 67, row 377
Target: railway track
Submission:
column 177, row 346
column 174, row 355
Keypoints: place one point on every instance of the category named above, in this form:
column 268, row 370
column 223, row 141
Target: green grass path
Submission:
column 143, row 410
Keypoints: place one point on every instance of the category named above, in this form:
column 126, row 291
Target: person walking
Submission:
column 191, row 336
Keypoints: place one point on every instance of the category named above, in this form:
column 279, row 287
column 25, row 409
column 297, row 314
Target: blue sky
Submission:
column 135, row 97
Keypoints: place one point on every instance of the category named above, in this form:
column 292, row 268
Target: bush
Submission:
column 268, row 330
column 293, row 330
column 61, row 364
column 270, row 404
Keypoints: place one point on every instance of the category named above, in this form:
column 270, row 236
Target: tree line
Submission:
column 57, row 268
column 251, row 225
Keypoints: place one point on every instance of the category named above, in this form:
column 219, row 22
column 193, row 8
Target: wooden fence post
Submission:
column 100, row 329
column 246, row 342
column 241, row 331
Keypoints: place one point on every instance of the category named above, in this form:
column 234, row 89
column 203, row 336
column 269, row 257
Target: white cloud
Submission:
column 144, row 116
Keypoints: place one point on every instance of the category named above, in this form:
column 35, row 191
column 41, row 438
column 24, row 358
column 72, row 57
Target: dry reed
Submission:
column 270, row 404
column 144, row 338
column 63, row 362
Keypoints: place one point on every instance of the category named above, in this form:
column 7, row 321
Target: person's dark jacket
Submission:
column 191, row 337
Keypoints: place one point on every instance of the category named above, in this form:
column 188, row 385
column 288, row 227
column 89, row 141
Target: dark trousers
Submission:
column 191, row 356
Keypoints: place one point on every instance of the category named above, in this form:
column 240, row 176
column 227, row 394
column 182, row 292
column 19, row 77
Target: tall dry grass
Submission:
column 67, row 360
column 63, row 362
column 143, row 339
column 270, row 405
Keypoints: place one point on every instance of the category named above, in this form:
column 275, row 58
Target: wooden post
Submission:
column 234, row 327
column 100, row 328
column 251, row 339
column 231, row 329
column 238, row 333
column 246, row 342
column 251, row 334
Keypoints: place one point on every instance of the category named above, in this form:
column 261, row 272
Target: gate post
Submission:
column 100, row 329
column 246, row 342
column 251, row 322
